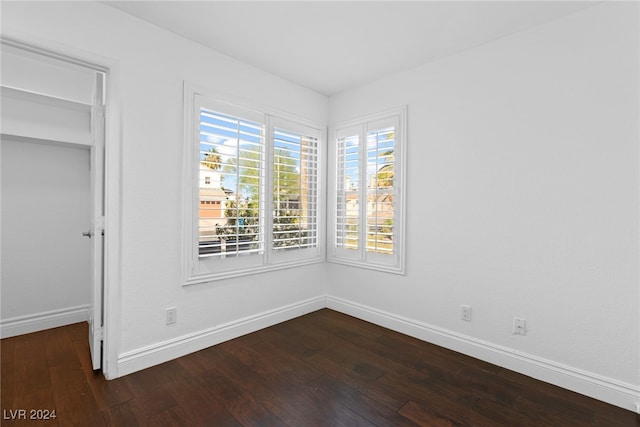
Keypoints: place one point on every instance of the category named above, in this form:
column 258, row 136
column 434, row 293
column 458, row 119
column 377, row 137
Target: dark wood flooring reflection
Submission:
column 322, row 369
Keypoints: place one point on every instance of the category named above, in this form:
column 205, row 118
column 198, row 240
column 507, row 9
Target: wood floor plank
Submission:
column 446, row 401
column 321, row 369
column 505, row 416
column 200, row 408
column 7, row 371
column 352, row 358
column 106, row 393
column 58, row 347
column 72, row 398
column 30, row 364
column 237, row 401
column 278, row 393
column 391, row 399
column 123, row 414
column 423, row 417
column 154, row 400
column 279, row 363
column 361, row 403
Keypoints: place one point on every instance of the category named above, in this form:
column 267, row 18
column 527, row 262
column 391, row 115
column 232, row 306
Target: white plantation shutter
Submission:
column 295, row 190
column 380, row 191
column 256, row 202
column 347, row 216
column 368, row 192
column 233, row 149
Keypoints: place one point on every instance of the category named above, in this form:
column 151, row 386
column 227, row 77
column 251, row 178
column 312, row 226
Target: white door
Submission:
column 96, row 233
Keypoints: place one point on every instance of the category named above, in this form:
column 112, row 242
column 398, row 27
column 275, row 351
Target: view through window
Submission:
column 367, row 226
column 257, row 192
column 231, row 175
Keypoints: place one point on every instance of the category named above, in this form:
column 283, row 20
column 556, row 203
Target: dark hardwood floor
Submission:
column 322, row 369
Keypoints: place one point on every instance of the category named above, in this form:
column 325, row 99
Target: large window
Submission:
column 368, row 192
column 254, row 203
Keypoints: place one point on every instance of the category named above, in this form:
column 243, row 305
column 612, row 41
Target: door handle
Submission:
column 88, row 234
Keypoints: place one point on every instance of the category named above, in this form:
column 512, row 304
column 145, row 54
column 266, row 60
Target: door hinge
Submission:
column 100, row 333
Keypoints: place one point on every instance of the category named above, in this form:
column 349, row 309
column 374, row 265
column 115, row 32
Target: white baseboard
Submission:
column 41, row 321
column 155, row 354
column 614, row 392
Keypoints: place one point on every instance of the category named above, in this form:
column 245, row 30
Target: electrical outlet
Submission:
column 465, row 313
column 519, row 326
column 172, row 315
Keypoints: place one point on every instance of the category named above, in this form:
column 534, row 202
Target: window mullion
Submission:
column 269, row 182
column 374, row 201
column 194, row 143
column 238, row 184
column 362, row 195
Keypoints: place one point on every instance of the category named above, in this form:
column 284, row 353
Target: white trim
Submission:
column 218, row 277
column 40, row 321
column 235, row 101
column 112, row 225
column 54, row 51
column 161, row 352
column 609, row 390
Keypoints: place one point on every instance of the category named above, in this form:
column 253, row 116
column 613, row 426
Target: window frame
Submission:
column 361, row 257
column 197, row 269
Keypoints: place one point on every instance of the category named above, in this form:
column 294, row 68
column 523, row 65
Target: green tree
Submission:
column 212, row 159
column 385, row 173
column 247, row 168
column 287, row 201
column 243, row 214
column 286, row 178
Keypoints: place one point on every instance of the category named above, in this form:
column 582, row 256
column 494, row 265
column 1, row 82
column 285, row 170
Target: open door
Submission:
column 59, row 101
column 96, row 233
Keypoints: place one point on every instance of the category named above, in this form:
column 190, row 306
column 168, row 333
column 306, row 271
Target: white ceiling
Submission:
column 331, row 46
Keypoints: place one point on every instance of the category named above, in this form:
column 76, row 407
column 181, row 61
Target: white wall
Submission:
column 45, row 260
column 522, row 201
column 152, row 65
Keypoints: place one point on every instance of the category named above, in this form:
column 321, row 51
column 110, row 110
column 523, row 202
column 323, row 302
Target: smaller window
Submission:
column 368, row 192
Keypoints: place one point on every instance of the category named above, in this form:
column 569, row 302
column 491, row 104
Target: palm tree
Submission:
column 385, row 173
column 212, row 159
